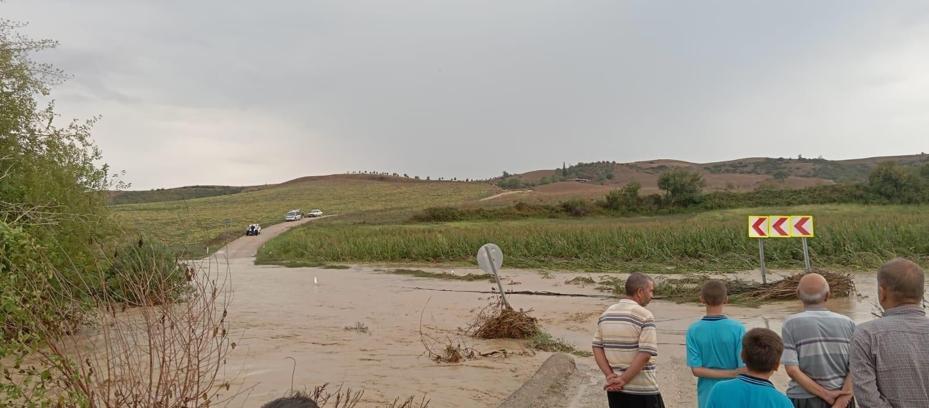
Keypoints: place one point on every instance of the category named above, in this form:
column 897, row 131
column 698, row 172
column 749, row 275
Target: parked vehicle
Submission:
column 293, row 215
column 316, row 212
column 253, row 229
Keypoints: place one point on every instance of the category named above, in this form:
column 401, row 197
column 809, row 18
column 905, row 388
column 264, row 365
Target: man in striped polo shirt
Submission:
column 625, row 345
column 816, row 346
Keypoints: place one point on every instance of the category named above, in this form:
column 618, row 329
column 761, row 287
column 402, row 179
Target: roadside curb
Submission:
column 553, row 373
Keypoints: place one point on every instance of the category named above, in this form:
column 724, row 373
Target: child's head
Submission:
column 761, row 350
column 713, row 293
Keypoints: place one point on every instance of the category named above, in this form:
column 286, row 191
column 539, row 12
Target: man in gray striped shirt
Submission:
column 816, row 345
column 890, row 355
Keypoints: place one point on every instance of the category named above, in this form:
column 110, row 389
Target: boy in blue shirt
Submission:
column 761, row 352
column 714, row 343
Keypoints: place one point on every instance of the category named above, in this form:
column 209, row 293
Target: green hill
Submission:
column 195, row 224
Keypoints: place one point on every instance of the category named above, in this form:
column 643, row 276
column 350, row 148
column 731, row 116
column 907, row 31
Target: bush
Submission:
column 893, row 183
column 145, row 273
column 625, row 199
column 438, row 214
column 682, row 187
column 577, row 207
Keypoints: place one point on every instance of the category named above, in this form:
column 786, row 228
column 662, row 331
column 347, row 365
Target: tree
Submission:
column 626, row 198
column 893, row 183
column 681, row 186
column 52, row 185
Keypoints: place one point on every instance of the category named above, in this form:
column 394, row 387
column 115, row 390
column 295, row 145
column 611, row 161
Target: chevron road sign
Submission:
column 781, row 226
column 801, row 226
column 758, row 226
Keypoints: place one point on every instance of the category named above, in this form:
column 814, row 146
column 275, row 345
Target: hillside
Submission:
column 195, row 224
column 171, row 194
column 595, row 179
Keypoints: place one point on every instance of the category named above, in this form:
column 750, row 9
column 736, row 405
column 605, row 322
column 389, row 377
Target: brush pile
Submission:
column 687, row 289
column 498, row 321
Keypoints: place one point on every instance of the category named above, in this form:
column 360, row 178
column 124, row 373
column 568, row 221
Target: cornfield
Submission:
column 854, row 237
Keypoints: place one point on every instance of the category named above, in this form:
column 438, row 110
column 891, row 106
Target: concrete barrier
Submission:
column 552, row 374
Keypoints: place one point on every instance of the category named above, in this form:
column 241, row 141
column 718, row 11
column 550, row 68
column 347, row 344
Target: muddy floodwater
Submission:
column 290, row 328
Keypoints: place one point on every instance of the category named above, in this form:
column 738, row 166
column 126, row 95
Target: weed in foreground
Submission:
column 358, row 327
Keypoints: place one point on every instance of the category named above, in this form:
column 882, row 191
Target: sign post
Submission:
column 802, row 227
column 781, row 226
column 758, row 227
column 490, row 260
column 764, row 273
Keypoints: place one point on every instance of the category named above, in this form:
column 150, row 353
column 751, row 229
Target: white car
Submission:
column 253, row 229
column 293, row 215
column 315, row 213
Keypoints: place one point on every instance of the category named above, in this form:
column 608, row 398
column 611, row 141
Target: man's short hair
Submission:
column 903, row 278
column 761, row 350
column 636, row 281
column 714, row 292
column 298, row 400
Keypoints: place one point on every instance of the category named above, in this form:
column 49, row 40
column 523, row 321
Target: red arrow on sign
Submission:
column 778, row 226
column 757, row 227
column 799, row 226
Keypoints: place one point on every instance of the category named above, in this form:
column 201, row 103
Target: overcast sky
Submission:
column 254, row 92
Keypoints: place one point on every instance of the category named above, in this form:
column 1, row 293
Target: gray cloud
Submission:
column 255, row 92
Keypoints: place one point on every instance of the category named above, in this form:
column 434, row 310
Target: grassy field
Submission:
column 193, row 225
column 848, row 236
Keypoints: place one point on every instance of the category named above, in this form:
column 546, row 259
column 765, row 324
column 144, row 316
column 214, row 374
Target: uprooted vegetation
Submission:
column 498, row 321
column 741, row 291
column 469, row 277
column 342, row 397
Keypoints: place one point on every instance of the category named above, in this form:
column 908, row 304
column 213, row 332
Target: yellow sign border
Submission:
column 790, row 230
column 767, row 226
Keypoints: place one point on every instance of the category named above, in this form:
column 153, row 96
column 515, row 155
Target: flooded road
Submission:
column 291, row 328
column 279, row 314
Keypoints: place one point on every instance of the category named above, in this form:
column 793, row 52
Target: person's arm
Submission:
column 846, row 397
column 638, row 362
column 864, row 374
column 714, row 373
column 600, row 355
column 603, row 363
column 811, row 386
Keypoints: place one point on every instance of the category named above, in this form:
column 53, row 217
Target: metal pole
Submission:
column 764, row 277
column 806, row 256
column 490, row 259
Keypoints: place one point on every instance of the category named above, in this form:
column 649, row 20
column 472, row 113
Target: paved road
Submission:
column 247, row 246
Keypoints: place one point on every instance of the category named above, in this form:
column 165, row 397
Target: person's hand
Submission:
column 614, row 383
column 842, row 401
column 831, row 395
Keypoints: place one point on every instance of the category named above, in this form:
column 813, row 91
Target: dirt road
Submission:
column 303, row 314
column 247, row 246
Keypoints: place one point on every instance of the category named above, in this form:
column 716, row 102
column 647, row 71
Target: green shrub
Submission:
column 577, row 207
column 438, row 214
column 682, row 187
column 145, row 272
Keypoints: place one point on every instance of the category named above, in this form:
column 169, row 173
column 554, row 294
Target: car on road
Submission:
column 293, row 215
column 253, row 229
column 316, row 212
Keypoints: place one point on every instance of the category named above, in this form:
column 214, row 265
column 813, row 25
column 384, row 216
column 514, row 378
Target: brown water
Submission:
column 279, row 313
